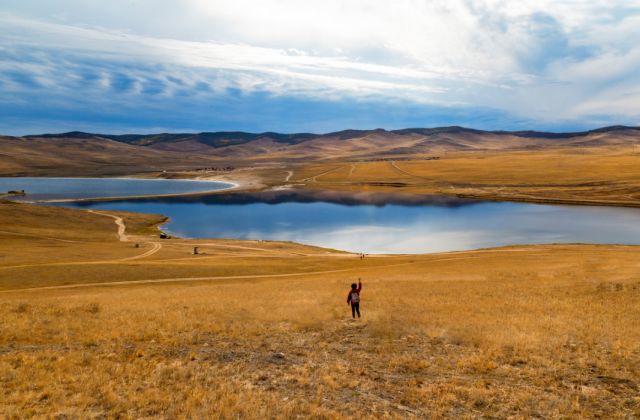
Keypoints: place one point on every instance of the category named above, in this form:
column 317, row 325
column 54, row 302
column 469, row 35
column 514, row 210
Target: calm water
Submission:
column 395, row 228
column 359, row 228
column 61, row 188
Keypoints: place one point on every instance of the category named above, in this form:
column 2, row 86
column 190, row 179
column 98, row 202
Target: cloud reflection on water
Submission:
column 396, row 228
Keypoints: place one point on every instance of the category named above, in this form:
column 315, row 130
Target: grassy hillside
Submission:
column 87, row 157
column 98, row 154
column 591, row 176
column 598, row 167
column 261, row 329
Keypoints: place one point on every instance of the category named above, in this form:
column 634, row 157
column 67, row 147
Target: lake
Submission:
column 347, row 225
column 396, row 228
column 73, row 188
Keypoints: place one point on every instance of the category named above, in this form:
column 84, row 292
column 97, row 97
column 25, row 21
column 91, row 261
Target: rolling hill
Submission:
column 78, row 153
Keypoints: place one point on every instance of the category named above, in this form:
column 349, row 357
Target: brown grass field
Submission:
column 592, row 176
column 102, row 323
column 591, row 168
column 93, row 327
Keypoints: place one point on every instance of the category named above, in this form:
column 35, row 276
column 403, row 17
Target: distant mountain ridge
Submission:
column 89, row 154
column 231, row 138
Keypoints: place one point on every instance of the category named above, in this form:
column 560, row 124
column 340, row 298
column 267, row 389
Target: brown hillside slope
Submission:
column 261, row 329
column 82, row 154
column 600, row 167
column 598, row 175
column 85, row 157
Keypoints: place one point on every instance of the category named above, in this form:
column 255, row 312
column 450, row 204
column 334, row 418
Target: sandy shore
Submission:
column 232, row 186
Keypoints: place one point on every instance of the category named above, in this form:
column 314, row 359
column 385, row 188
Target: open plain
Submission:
column 101, row 318
column 191, row 192
column 93, row 326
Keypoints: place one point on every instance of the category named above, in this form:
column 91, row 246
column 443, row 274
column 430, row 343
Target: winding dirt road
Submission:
column 122, row 237
column 119, row 222
column 447, row 256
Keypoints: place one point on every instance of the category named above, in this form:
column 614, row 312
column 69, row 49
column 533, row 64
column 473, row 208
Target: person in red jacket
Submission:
column 353, row 298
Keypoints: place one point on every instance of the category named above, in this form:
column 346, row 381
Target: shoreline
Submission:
column 229, row 186
column 238, row 189
column 237, row 192
column 279, row 196
column 158, row 228
column 138, row 197
column 399, row 198
column 551, row 201
column 244, row 186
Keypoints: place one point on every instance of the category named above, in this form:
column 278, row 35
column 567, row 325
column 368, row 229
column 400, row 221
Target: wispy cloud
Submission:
column 219, row 65
column 554, row 62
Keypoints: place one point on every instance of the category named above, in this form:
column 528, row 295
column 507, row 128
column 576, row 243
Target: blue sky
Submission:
column 317, row 66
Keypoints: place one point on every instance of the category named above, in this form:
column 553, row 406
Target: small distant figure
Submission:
column 362, row 256
column 137, row 245
column 353, row 298
column 195, row 250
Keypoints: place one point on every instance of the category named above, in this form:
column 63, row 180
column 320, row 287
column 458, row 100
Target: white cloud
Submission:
column 544, row 59
column 247, row 67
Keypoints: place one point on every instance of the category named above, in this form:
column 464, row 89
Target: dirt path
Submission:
column 353, row 168
column 315, row 177
column 450, row 256
column 278, row 252
column 403, row 172
column 190, row 279
column 119, row 222
column 122, row 237
column 156, row 246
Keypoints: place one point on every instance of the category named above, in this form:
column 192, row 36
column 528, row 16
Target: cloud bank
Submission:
column 288, row 65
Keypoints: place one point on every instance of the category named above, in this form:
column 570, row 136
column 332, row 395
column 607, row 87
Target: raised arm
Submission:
column 359, row 285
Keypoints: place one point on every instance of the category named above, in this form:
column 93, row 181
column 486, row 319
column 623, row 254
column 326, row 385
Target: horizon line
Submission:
column 262, row 133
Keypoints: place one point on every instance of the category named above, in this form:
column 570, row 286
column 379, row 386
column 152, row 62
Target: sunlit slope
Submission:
column 108, row 154
column 86, row 157
column 599, row 167
column 261, row 329
column 595, row 176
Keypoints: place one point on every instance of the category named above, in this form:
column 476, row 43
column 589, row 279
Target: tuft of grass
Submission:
column 21, row 308
column 92, row 308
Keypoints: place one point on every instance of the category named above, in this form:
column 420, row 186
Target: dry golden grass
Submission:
column 531, row 331
column 311, row 173
column 596, row 168
column 596, row 175
column 365, row 172
column 39, row 235
column 89, row 157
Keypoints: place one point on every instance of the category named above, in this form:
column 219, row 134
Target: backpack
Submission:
column 355, row 297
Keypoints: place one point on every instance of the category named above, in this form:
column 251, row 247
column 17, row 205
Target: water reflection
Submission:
column 74, row 188
column 395, row 228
